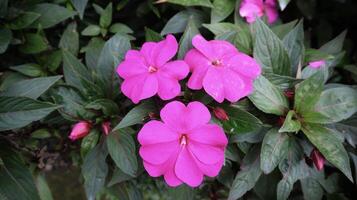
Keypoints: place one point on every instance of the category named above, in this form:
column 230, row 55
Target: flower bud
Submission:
column 318, row 159
column 317, row 64
column 106, row 128
column 79, row 130
column 220, row 114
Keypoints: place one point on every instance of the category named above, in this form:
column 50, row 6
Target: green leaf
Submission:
column 334, row 46
column 247, row 176
column 221, row 28
column 268, row 98
column 54, row 59
column 91, row 30
column 205, row 3
column 182, row 192
column 332, row 149
column 308, row 93
column 274, row 149
column 283, row 29
column 178, row 23
column 107, row 106
column 240, row 121
column 95, row 170
column 74, row 71
column 294, row 45
column 239, row 36
column 16, row 181
column 5, row 39
column 112, row 53
column 311, row 189
column 106, row 16
column 70, row 39
column 120, row 28
column 89, row 142
column 136, row 115
column 34, row 43
column 32, row 88
column 17, row 112
column 283, row 4
column 314, row 55
column 29, row 69
column 118, row 177
column 24, row 20
column 186, row 39
column 337, row 103
column 282, row 82
column 43, row 188
column 3, row 8
column 221, row 9
column 121, row 147
column 92, row 50
column 151, row 35
column 291, row 124
column 51, row 14
column 80, row 6
column 269, row 50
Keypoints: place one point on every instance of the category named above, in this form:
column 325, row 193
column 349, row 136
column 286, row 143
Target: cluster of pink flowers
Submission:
column 184, row 147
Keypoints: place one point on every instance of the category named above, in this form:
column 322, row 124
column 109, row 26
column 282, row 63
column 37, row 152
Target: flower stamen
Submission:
column 183, row 140
column 217, row 63
column 152, row 69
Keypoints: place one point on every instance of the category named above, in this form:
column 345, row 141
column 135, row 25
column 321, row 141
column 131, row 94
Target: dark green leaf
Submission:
column 274, row 149
column 51, row 14
column 120, row 28
column 294, row 45
column 32, row 88
column 283, row 4
column 314, row 55
column 29, row 69
column 178, row 23
column 17, row 112
column 240, row 37
column 315, row 117
column 70, row 39
column 329, row 146
column 106, row 16
column 24, row 20
column 186, row 39
column 80, row 6
column 269, row 50
column 89, row 142
column 283, row 29
column 3, row 8
column 291, row 124
column 311, row 189
column 5, row 39
column 206, row 3
column 136, row 115
column 43, row 188
column 221, row 9
column 220, row 28
column 91, row 30
column 107, row 106
column 34, row 43
column 92, row 51
column 268, row 98
column 121, row 147
column 118, row 177
column 182, row 192
column 334, row 46
column 151, row 35
column 95, row 170
column 16, row 181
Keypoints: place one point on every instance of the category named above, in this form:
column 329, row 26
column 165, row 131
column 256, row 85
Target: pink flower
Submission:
column 250, row 9
column 318, row 159
column 106, row 128
column 221, row 69
column 148, row 71
column 220, row 114
column 317, row 64
column 184, row 147
column 79, row 130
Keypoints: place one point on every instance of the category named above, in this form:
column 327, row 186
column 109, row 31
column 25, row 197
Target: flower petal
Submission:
column 210, row 134
column 168, row 87
column 173, row 115
column 207, row 154
column 235, row 86
column 155, row 132
column 158, row 153
column 196, row 115
column 213, row 84
column 140, row 87
column 250, row 9
column 244, row 65
column 210, row 170
column 177, row 69
column 130, row 67
column 187, row 170
column 198, row 65
column 203, row 46
column 165, row 50
column 147, row 50
column 223, row 48
column 271, row 13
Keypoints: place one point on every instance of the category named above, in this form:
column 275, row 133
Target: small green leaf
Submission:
column 136, row 115
column 107, row 106
column 220, row 28
column 32, row 88
column 314, row 55
column 269, row 50
column 95, row 170
column 118, row 177
column 70, row 39
column 151, row 35
column 268, row 98
column 294, row 45
column 120, row 28
column 92, row 50
column 29, row 69
column 17, row 112
column 221, row 9
column 89, row 142
column 186, row 39
column 291, row 124
column 283, row 4
column 91, row 30
column 80, row 6
column 332, row 149
column 205, row 3
column 311, row 189
column 121, row 147
column 334, row 46
column 5, row 39
column 24, row 20
column 308, row 93
column 106, row 16
column 274, row 149
column 315, row 117
column 43, row 188
column 51, row 14
column 34, row 43
column 283, row 29
column 178, row 23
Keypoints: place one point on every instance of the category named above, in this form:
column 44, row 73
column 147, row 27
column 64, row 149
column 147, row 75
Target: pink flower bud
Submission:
column 106, row 128
column 318, row 159
column 79, row 130
column 317, row 64
column 220, row 114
